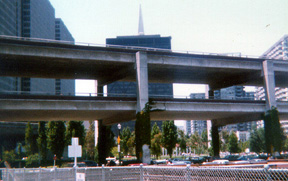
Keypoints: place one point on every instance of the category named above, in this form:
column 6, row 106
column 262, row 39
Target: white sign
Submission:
column 75, row 150
column 80, row 176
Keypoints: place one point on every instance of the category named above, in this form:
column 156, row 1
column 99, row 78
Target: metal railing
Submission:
column 86, row 94
column 145, row 173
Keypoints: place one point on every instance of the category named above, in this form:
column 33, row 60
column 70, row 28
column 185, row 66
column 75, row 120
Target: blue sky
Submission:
column 248, row 27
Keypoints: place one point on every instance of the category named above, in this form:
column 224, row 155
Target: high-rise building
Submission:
column 128, row 89
column 32, row 19
column 234, row 93
column 277, row 51
column 198, row 126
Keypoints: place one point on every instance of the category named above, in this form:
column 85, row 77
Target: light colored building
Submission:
column 277, row 51
column 243, row 135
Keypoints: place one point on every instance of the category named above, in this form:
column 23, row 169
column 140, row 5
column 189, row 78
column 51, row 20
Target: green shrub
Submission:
column 32, row 160
column 9, row 156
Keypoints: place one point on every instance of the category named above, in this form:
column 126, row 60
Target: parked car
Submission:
column 90, row 163
column 248, row 157
column 231, row 157
column 260, row 161
column 178, row 163
column 79, row 164
column 196, row 160
column 217, row 162
column 159, row 162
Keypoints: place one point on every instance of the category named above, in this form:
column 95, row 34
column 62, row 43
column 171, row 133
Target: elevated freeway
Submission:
column 118, row 109
column 30, row 58
column 108, row 64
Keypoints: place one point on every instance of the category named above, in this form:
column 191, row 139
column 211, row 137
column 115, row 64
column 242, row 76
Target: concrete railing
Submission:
column 233, row 54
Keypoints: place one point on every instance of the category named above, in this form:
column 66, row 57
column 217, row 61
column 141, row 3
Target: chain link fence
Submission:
column 144, row 173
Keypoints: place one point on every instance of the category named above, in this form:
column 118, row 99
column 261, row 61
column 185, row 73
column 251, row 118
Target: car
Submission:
column 178, row 163
column 217, row 162
column 196, row 160
column 231, row 157
column 247, row 157
column 90, row 163
column 260, row 161
column 160, row 162
column 79, row 164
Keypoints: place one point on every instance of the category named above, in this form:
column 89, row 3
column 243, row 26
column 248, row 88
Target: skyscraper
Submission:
column 33, row 19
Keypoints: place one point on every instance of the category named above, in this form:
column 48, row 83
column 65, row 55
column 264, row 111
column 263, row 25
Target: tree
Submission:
column 204, row 139
column 169, row 136
column 75, row 129
column 105, row 142
column 90, row 141
column 182, row 140
column 142, row 130
column 243, row 146
column 131, row 144
column 195, row 142
column 42, row 140
column 156, row 145
column 30, row 144
column 224, row 140
column 56, row 137
column 272, row 129
column 257, row 140
column 233, row 143
column 155, row 130
column 125, row 136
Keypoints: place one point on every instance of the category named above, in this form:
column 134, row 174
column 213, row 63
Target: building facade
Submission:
column 234, row 93
column 33, row 19
column 277, row 51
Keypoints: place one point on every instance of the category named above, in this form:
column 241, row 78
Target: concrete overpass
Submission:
column 117, row 109
column 59, row 60
column 108, row 64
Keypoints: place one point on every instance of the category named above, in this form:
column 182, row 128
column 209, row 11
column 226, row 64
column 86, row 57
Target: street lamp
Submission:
column 118, row 140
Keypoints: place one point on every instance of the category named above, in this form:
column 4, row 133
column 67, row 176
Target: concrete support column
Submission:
column 101, row 142
column 142, row 80
column 209, row 93
column 215, row 139
column 100, row 132
column 269, row 83
column 100, row 91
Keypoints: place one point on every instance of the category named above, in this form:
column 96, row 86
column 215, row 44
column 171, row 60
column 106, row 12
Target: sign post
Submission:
column 54, row 158
column 75, row 150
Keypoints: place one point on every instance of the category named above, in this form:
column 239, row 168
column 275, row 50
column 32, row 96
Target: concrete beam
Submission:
column 215, row 139
column 142, row 80
column 269, row 82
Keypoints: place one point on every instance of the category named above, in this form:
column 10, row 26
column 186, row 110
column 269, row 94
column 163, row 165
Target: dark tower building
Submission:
column 129, row 88
column 31, row 19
